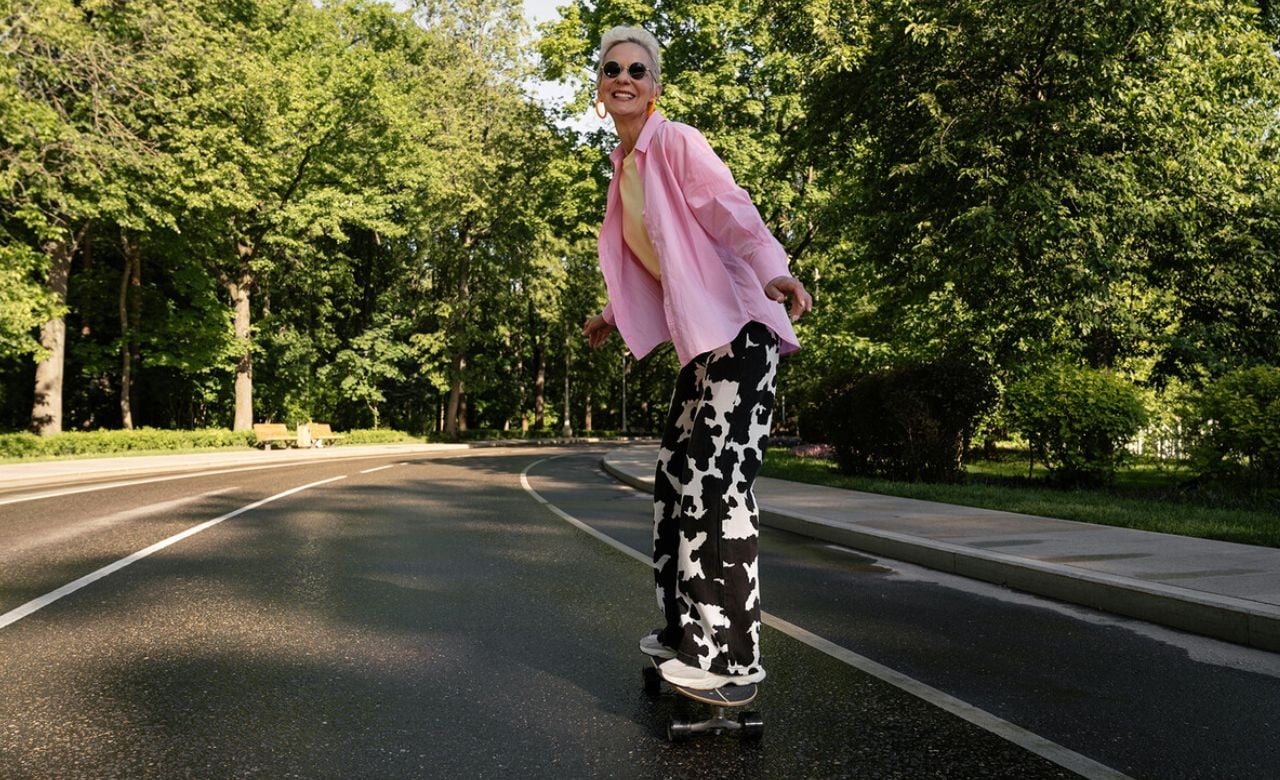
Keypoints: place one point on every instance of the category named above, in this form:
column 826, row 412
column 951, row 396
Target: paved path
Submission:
column 1219, row 589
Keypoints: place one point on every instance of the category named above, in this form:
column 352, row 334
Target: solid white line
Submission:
column 380, row 468
column 36, row 604
column 575, row 522
column 1028, row 740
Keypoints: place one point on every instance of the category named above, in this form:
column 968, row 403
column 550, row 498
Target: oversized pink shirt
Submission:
column 715, row 252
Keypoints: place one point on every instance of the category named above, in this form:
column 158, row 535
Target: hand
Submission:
column 782, row 287
column 597, row 331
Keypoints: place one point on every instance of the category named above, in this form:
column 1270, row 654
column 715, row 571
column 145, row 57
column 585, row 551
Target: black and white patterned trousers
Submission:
column 706, row 526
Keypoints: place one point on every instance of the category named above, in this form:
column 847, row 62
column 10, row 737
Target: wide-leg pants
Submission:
column 706, row 525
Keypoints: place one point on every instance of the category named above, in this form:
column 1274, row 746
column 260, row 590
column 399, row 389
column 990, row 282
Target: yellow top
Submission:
column 631, row 188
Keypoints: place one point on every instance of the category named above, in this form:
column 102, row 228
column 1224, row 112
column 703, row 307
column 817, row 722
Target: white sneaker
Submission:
column 649, row 645
column 678, row 672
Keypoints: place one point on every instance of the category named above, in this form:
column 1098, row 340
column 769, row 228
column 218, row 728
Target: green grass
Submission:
column 1146, row 497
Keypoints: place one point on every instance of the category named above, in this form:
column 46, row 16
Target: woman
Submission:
column 686, row 258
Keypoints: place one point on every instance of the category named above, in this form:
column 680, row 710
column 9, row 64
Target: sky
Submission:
column 541, row 10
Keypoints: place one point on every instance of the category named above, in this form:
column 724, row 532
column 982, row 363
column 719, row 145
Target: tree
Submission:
column 1015, row 182
column 65, row 137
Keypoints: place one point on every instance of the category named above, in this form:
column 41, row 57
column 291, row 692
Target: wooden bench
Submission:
column 314, row 434
column 268, row 434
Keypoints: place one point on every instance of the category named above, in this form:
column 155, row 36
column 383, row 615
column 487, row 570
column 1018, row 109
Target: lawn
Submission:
column 1147, row 496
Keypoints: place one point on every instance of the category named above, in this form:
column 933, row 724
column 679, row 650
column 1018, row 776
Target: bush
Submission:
column 376, row 436
column 1236, row 424
column 910, row 423
column 1078, row 421
column 27, row 445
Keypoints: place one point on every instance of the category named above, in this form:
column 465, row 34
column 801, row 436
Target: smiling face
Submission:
column 623, row 96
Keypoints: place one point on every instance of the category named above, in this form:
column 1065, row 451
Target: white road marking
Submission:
column 83, row 527
column 1027, row 740
column 36, row 604
column 380, row 468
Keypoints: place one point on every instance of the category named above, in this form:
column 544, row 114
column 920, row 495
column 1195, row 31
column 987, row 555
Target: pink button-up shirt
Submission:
column 715, row 252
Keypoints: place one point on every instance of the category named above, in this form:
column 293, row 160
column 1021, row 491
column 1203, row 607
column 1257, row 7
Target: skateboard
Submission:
column 749, row 725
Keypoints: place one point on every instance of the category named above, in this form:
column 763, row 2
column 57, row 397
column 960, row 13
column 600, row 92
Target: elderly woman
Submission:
column 686, row 258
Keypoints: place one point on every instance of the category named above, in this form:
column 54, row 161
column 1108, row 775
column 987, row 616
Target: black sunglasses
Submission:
column 635, row 70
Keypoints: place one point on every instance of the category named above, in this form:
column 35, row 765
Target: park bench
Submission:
column 314, row 434
column 268, row 434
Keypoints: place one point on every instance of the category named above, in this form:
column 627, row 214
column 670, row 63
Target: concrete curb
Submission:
column 1221, row 617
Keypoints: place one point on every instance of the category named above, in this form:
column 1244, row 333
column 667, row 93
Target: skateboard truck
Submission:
column 749, row 725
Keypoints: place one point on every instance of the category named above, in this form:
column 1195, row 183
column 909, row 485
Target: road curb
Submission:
column 1234, row 620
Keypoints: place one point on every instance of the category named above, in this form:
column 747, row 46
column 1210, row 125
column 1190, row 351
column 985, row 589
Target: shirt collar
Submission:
column 642, row 143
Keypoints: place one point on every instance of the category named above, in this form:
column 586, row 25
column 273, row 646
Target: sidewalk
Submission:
column 1219, row 589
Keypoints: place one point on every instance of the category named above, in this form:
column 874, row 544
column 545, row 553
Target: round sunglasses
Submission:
column 635, row 70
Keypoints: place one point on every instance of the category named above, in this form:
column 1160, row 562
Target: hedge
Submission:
column 28, row 445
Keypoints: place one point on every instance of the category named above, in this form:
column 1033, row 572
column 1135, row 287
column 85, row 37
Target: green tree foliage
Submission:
column 353, row 211
column 1045, row 179
column 1236, row 420
column 1077, row 420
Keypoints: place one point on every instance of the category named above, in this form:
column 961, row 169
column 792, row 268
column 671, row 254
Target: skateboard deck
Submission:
column 749, row 724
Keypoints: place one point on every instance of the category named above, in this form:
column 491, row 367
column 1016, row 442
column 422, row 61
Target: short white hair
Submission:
column 637, row 35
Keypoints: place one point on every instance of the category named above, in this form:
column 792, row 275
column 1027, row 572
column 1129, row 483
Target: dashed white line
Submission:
column 1028, row 740
column 380, row 468
column 36, row 604
column 85, row 526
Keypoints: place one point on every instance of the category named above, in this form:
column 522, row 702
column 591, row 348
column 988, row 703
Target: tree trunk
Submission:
column 455, row 397
column 540, row 390
column 586, row 422
column 239, row 292
column 130, row 312
column 566, row 429
column 46, row 412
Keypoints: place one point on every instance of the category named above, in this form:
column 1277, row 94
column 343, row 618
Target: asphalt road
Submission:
column 430, row 619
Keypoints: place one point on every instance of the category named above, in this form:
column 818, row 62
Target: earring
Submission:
column 653, row 106
column 601, row 111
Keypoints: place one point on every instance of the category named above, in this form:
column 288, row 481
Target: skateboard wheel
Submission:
column 752, row 726
column 652, row 680
column 678, row 730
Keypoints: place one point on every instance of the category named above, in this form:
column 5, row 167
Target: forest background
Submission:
column 236, row 211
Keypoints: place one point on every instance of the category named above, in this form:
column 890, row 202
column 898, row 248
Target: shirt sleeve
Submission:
column 721, row 207
column 607, row 314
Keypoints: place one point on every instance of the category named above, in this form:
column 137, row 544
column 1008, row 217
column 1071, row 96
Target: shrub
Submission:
column 26, row 445
column 909, row 423
column 1236, row 424
column 1078, row 420
column 376, row 436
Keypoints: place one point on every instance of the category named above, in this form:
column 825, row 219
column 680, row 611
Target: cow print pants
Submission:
column 706, row 526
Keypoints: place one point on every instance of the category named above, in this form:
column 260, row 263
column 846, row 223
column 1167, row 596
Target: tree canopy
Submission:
column 219, row 213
